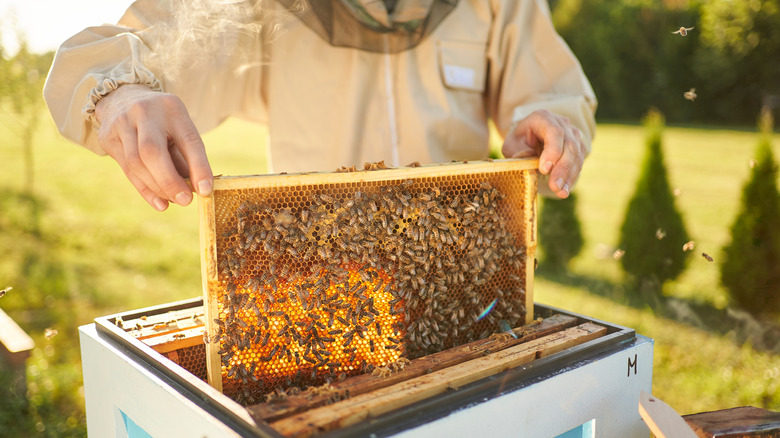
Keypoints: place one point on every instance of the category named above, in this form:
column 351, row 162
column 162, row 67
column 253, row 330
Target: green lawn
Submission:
column 90, row 246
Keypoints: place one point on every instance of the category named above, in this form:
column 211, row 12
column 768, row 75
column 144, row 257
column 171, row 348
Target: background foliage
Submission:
column 653, row 232
column 634, row 62
column 751, row 262
column 559, row 232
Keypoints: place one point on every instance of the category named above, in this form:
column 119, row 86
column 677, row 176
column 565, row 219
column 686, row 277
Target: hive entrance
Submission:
column 315, row 278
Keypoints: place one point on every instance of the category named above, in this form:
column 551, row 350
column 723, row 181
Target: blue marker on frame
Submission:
column 487, row 309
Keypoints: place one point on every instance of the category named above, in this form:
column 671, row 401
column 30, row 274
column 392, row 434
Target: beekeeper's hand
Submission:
column 557, row 142
column 151, row 136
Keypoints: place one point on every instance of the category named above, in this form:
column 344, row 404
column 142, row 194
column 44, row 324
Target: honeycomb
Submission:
column 192, row 359
column 322, row 280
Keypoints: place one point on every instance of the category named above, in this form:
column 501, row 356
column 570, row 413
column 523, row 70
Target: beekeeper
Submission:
column 337, row 83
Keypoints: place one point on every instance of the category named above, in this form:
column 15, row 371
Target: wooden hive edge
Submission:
column 389, row 174
column 360, row 408
column 208, row 245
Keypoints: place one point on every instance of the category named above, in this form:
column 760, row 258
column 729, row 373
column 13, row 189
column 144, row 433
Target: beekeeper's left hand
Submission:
column 557, row 142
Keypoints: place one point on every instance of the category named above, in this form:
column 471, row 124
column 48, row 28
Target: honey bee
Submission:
column 381, row 372
column 50, row 333
column 5, row 291
column 690, row 94
column 682, row 31
column 689, row 246
column 706, row 256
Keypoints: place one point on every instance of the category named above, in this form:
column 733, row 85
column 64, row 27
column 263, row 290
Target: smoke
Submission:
column 194, row 33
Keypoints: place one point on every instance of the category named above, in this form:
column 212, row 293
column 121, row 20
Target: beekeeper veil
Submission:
column 384, row 26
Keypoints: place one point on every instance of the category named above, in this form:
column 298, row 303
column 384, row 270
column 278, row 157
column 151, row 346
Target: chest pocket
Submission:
column 462, row 65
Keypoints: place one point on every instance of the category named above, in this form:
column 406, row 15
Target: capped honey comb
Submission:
column 312, row 278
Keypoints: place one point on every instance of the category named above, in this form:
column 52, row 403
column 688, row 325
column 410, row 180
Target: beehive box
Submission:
column 311, row 278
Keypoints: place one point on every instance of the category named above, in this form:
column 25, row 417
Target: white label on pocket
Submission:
column 459, row 76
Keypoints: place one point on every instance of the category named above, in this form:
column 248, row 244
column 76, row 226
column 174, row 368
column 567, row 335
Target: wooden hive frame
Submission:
column 209, row 233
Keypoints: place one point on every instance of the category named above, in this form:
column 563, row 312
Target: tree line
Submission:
column 731, row 56
column 654, row 245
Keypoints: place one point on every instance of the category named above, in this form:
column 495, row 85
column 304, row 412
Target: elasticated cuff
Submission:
column 139, row 75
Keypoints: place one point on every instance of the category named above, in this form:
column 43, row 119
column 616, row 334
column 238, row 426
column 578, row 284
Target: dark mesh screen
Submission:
column 342, row 27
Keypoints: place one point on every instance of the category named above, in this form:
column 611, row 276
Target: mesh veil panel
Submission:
column 340, row 26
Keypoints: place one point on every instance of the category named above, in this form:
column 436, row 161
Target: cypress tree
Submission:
column 560, row 233
column 750, row 268
column 653, row 232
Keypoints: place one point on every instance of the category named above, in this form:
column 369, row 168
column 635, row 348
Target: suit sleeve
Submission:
column 532, row 68
column 213, row 84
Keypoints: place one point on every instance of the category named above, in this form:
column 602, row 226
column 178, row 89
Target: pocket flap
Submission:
column 462, row 64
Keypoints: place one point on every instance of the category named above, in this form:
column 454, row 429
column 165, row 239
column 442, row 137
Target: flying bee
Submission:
column 690, row 94
column 706, row 256
column 682, row 31
column 4, row 291
column 689, row 246
column 50, row 333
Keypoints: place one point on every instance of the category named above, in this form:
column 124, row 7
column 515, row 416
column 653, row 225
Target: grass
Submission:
column 86, row 245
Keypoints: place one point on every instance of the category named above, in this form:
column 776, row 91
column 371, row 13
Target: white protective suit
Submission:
column 327, row 107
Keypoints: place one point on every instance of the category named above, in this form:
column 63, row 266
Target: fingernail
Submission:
column 565, row 190
column 183, row 198
column 546, row 167
column 204, row 187
column 159, row 204
column 559, row 183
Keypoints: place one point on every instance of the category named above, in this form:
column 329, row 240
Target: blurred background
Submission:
column 673, row 228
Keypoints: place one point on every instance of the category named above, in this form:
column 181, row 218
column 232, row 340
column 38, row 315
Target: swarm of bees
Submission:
column 348, row 282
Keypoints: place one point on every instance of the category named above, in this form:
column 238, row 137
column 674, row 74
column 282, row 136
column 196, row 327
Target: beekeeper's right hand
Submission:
column 151, row 136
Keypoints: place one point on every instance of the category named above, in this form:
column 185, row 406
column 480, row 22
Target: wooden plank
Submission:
column 427, row 171
column 16, row 343
column 209, row 273
column 365, row 406
column 177, row 340
column 744, row 421
column 149, row 327
column 367, row 382
column 530, row 218
column 662, row 420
